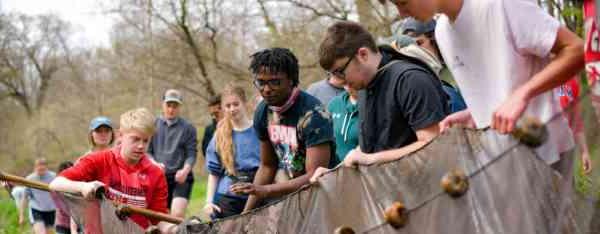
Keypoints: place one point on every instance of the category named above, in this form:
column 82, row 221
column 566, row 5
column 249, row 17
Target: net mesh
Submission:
column 511, row 190
column 96, row 216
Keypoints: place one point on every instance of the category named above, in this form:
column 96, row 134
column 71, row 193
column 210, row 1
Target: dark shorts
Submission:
column 67, row 230
column 47, row 217
column 179, row 190
column 229, row 205
column 62, row 230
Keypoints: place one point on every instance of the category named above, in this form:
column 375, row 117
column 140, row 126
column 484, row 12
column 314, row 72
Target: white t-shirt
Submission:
column 495, row 46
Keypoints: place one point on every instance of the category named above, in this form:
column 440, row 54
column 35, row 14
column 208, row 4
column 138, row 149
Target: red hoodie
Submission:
column 141, row 185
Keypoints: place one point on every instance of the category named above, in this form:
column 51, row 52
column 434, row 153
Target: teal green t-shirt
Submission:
column 344, row 115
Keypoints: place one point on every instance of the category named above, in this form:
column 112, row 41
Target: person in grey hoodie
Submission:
column 326, row 89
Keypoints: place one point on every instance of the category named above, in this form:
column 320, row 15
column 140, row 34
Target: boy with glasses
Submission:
column 294, row 130
column 400, row 99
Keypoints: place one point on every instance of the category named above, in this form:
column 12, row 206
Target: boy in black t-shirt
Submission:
column 295, row 132
column 401, row 101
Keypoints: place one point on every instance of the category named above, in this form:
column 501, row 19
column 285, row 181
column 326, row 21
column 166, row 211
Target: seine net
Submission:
column 511, row 190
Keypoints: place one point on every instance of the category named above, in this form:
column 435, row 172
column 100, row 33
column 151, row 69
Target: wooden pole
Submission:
column 25, row 182
column 125, row 209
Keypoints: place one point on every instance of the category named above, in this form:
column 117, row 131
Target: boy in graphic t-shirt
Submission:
column 294, row 130
column 126, row 172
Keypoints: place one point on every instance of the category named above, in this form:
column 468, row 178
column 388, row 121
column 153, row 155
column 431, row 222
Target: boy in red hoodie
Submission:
column 125, row 171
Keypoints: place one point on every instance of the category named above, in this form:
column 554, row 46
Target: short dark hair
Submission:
column 214, row 100
column 276, row 60
column 343, row 39
column 64, row 165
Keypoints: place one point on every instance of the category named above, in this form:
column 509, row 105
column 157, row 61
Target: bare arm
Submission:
column 209, row 207
column 568, row 61
column 73, row 226
column 424, row 136
column 65, row 185
column 86, row 189
column 316, row 156
column 580, row 138
column 23, row 204
column 266, row 171
column 211, row 188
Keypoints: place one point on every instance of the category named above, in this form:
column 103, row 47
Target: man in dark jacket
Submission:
column 173, row 147
column 214, row 108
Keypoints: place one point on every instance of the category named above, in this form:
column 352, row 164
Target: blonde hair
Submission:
column 224, row 132
column 140, row 119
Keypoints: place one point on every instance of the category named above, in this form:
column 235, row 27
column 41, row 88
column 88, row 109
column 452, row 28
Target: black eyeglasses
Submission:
column 273, row 83
column 340, row 72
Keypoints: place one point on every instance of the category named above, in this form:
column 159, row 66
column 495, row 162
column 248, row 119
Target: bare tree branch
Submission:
column 342, row 15
column 268, row 21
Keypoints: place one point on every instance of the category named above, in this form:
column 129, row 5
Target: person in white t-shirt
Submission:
column 499, row 52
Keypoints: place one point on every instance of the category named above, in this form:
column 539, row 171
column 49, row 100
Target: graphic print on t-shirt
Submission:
column 127, row 189
column 285, row 142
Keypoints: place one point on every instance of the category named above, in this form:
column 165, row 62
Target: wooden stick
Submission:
column 126, row 209
column 25, row 182
column 120, row 207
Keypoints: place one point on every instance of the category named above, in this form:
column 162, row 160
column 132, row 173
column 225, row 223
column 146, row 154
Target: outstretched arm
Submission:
column 568, row 61
column 86, row 189
column 424, row 136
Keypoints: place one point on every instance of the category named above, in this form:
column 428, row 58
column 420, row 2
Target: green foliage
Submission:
column 198, row 197
column 9, row 216
column 573, row 16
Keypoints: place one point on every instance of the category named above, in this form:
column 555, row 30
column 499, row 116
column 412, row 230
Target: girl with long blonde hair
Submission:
column 232, row 155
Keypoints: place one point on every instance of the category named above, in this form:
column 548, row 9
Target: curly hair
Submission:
column 276, row 60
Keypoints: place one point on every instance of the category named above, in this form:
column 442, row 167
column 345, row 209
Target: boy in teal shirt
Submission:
column 344, row 113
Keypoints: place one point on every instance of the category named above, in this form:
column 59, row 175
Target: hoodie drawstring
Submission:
column 346, row 125
column 344, row 129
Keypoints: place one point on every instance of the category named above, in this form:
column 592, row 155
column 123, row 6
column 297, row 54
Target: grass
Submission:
column 198, row 198
column 9, row 216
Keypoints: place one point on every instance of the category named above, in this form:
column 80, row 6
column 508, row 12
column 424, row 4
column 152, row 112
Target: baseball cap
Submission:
column 173, row 95
column 401, row 41
column 100, row 121
column 411, row 24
